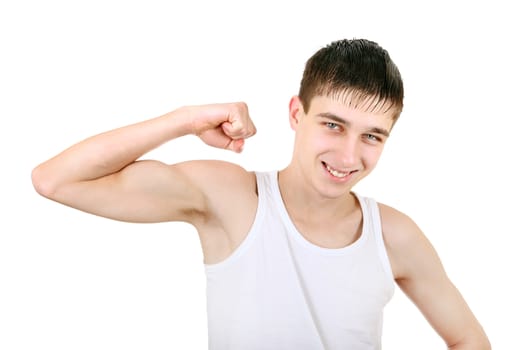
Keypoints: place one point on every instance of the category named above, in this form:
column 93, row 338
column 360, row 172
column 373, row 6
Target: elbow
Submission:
column 42, row 183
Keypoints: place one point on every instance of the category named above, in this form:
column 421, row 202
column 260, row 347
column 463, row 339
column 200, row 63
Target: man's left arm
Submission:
column 420, row 274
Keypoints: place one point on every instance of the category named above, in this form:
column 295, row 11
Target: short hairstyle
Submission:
column 359, row 70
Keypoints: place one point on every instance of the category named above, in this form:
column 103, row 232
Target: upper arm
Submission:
column 420, row 274
column 147, row 191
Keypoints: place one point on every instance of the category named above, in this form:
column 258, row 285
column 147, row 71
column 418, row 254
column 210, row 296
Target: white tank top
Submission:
column 278, row 291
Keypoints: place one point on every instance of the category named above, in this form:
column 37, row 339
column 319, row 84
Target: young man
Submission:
column 294, row 259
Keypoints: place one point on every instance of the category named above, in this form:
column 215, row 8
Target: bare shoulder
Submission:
column 398, row 228
column 222, row 170
column 223, row 184
column 404, row 240
column 231, row 204
column 216, row 177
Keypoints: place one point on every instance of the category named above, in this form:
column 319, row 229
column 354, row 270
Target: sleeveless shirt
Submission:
column 279, row 291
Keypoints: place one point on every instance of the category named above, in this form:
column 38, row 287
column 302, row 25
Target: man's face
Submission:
column 337, row 145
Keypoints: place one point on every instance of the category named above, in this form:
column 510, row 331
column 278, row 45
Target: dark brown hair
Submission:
column 359, row 70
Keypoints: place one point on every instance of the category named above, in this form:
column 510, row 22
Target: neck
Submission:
column 303, row 201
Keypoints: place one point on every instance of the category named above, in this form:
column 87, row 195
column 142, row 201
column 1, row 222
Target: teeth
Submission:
column 335, row 172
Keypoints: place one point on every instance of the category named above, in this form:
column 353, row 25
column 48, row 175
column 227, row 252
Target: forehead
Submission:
column 355, row 110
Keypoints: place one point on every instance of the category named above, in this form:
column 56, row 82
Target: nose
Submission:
column 349, row 153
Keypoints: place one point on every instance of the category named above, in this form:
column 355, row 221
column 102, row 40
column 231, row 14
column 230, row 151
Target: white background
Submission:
column 69, row 280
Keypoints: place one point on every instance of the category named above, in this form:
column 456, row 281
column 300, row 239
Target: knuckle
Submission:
column 241, row 108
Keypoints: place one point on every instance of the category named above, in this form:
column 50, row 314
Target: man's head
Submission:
column 351, row 95
column 359, row 71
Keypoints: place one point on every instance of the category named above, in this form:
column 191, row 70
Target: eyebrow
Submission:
column 344, row 122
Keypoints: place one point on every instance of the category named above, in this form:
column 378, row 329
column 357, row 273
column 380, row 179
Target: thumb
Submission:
column 218, row 138
column 236, row 145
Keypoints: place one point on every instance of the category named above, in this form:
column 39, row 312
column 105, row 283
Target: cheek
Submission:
column 371, row 155
column 323, row 143
column 312, row 138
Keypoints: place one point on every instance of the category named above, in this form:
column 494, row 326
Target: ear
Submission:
column 296, row 112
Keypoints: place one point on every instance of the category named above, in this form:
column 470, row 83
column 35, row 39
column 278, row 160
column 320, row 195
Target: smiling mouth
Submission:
column 337, row 173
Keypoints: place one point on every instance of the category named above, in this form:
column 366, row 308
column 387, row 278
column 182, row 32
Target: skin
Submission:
column 336, row 146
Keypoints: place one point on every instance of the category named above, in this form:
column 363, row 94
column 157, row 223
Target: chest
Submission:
column 330, row 232
column 276, row 286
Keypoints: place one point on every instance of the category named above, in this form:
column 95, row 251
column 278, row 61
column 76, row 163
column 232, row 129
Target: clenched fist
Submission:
column 224, row 125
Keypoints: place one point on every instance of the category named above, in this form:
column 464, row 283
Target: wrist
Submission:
column 180, row 121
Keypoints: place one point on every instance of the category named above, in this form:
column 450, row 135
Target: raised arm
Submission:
column 420, row 274
column 101, row 175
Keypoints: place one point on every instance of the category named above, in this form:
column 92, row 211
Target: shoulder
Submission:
column 395, row 223
column 226, row 187
column 211, row 171
column 230, row 197
column 405, row 242
column 218, row 180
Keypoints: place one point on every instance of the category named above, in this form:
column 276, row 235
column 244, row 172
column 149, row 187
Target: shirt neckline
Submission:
column 298, row 236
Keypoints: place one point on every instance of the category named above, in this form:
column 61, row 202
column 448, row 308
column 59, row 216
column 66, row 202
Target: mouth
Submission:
column 338, row 173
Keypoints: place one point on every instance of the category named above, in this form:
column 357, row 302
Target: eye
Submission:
column 373, row 138
column 333, row 126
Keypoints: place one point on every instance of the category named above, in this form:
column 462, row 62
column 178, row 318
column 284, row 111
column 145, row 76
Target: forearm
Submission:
column 109, row 152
